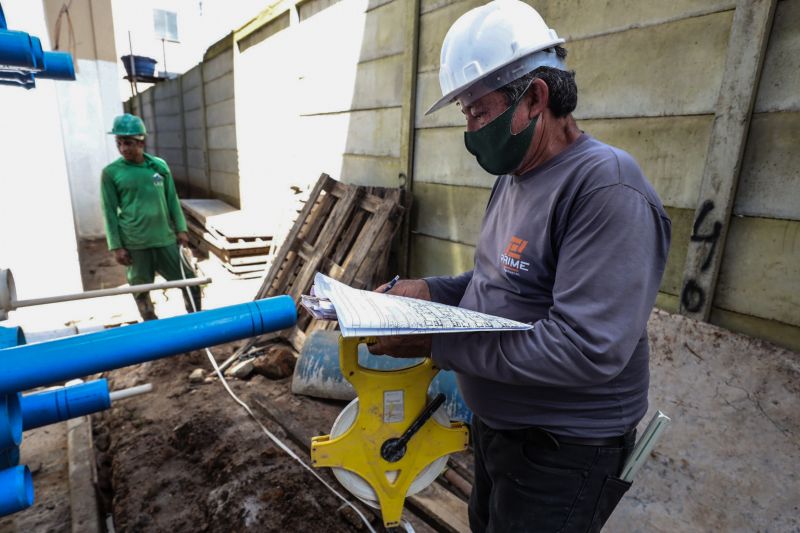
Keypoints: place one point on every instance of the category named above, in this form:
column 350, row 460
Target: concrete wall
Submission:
column 87, row 105
column 330, row 86
column 191, row 123
column 37, row 229
column 341, row 87
column 649, row 75
column 332, row 106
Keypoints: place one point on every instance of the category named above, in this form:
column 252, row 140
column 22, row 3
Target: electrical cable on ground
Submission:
column 266, row 431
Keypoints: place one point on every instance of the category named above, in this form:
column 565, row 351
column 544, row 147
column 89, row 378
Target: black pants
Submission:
column 528, row 481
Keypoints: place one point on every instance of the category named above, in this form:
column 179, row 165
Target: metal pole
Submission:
column 16, row 304
column 130, row 391
column 164, row 55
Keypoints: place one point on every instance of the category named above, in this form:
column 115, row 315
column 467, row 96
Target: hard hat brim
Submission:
column 454, row 94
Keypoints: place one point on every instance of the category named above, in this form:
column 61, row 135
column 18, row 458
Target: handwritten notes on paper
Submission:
column 365, row 313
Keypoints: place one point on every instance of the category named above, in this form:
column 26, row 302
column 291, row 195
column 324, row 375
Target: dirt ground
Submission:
column 187, row 458
column 44, row 450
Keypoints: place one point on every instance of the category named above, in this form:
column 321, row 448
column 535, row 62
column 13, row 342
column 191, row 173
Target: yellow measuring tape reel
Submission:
column 391, row 441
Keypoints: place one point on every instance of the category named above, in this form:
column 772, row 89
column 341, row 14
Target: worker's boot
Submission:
column 188, row 303
column 145, row 305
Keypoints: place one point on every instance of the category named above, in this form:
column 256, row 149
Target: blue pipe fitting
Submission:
column 13, row 336
column 35, row 365
column 48, row 407
column 20, row 51
column 9, row 457
column 10, row 420
column 16, row 489
column 57, row 66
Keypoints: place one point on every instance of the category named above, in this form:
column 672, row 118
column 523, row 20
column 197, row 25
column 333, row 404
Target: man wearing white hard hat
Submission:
column 574, row 241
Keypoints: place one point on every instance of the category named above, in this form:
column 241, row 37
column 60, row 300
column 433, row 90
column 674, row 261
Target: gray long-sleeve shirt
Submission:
column 577, row 247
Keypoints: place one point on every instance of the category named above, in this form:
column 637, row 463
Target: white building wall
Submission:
column 37, row 230
column 88, row 107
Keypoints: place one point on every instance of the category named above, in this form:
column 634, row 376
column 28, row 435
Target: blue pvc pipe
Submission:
column 57, row 66
column 16, row 50
column 48, row 407
column 20, row 51
column 9, row 457
column 16, row 489
column 34, row 365
column 13, row 336
column 10, row 420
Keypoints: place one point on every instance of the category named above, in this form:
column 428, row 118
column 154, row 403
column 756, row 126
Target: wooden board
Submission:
column 240, row 247
column 227, row 222
column 344, row 231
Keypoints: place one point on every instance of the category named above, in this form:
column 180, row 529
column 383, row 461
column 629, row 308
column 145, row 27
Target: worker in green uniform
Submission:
column 143, row 217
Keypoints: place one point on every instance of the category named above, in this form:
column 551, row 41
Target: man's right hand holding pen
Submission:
column 404, row 345
column 411, row 288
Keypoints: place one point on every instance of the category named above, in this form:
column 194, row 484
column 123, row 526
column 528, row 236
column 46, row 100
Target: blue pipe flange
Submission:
column 16, row 489
column 10, row 420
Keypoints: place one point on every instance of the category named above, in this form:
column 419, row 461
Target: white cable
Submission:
column 267, row 432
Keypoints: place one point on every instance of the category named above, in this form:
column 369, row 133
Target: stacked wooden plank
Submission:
column 239, row 241
column 343, row 231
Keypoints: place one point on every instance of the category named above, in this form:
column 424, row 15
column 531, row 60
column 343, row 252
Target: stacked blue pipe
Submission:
column 17, row 489
column 52, row 406
column 16, row 486
column 23, row 60
column 11, row 336
column 35, row 365
column 44, row 363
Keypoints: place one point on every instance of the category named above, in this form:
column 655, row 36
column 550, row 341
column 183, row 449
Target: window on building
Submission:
column 165, row 24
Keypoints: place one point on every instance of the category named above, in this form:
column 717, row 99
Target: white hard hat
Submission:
column 491, row 46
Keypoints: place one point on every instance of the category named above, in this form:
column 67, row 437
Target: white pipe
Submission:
column 49, row 335
column 131, row 391
column 15, row 304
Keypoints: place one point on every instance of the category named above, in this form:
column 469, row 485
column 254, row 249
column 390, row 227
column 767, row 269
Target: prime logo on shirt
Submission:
column 511, row 258
column 158, row 180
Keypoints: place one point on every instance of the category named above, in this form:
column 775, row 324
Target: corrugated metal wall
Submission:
column 649, row 74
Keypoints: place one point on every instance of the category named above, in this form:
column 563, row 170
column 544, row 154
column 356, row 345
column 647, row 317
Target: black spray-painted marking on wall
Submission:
column 693, row 296
column 712, row 237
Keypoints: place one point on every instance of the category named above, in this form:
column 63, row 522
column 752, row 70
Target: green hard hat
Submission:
column 128, row 125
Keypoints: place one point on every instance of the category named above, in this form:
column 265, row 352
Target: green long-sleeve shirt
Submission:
column 140, row 205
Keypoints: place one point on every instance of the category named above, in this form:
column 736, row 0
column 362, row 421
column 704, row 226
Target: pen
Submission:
column 391, row 283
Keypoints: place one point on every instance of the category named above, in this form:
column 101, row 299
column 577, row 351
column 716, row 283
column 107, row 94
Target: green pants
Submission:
column 166, row 261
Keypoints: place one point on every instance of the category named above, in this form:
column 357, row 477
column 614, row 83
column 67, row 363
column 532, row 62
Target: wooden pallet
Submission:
column 227, row 222
column 344, row 231
column 226, row 250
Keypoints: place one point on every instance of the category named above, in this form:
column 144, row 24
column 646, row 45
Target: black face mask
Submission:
column 497, row 150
